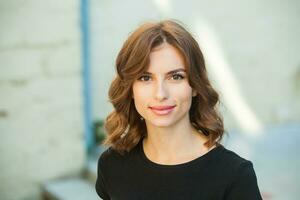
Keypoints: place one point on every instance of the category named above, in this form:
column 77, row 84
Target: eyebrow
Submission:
column 170, row 72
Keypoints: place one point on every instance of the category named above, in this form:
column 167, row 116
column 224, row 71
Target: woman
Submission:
column 164, row 133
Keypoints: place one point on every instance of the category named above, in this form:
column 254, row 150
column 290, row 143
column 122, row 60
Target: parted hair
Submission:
column 123, row 125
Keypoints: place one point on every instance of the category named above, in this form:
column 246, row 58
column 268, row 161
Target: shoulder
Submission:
column 111, row 158
column 232, row 164
column 109, row 154
column 231, row 158
column 241, row 175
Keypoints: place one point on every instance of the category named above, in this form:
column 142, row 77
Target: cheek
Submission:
column 183, row 93
column 140, row 97
column 139, row 93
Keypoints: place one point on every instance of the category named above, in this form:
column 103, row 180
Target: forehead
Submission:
column 165, row 58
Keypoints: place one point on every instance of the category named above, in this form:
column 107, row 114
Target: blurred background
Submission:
column 57, row 62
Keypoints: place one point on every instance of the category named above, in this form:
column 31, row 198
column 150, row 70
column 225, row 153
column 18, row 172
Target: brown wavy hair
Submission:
column 123, row 125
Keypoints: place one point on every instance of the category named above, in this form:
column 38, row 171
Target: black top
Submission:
column 218, row 174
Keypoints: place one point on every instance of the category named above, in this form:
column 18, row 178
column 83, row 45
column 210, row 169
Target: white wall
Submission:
column 41, row 120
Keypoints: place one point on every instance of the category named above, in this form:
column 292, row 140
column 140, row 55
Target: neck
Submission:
column 166, row 143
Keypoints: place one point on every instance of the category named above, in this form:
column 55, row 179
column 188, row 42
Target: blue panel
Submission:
column 89, row 138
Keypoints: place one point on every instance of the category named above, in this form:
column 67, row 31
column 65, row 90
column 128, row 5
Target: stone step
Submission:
column 76, row 188
column 70, row 189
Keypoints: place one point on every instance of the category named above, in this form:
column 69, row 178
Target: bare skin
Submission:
column 175, row 148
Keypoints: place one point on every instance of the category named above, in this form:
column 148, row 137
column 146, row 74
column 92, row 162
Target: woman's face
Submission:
column 162, row 95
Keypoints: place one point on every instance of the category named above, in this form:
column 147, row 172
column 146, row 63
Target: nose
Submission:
column 161, row 91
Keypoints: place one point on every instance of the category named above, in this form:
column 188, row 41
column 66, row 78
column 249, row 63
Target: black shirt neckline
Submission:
column 190, row 163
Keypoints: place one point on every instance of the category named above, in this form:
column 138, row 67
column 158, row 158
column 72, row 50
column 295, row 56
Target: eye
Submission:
column 177, row 77
column 144, row 78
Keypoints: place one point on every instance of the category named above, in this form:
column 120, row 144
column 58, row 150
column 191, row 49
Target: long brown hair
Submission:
column 123, row 125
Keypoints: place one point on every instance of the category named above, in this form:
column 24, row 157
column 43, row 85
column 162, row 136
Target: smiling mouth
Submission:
column 162, row 110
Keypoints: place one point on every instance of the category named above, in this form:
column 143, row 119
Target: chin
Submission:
column 162, row 123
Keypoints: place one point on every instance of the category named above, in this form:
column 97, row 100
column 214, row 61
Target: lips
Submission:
column 162, row 110
column 161, row 107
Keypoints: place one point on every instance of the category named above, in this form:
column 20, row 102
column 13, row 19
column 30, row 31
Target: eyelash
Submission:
column 174, row 75
column 179, row 75
column 141, row 78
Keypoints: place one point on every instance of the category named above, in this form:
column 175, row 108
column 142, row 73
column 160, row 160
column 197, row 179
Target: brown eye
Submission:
column 144, row 78
column 177, row 77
